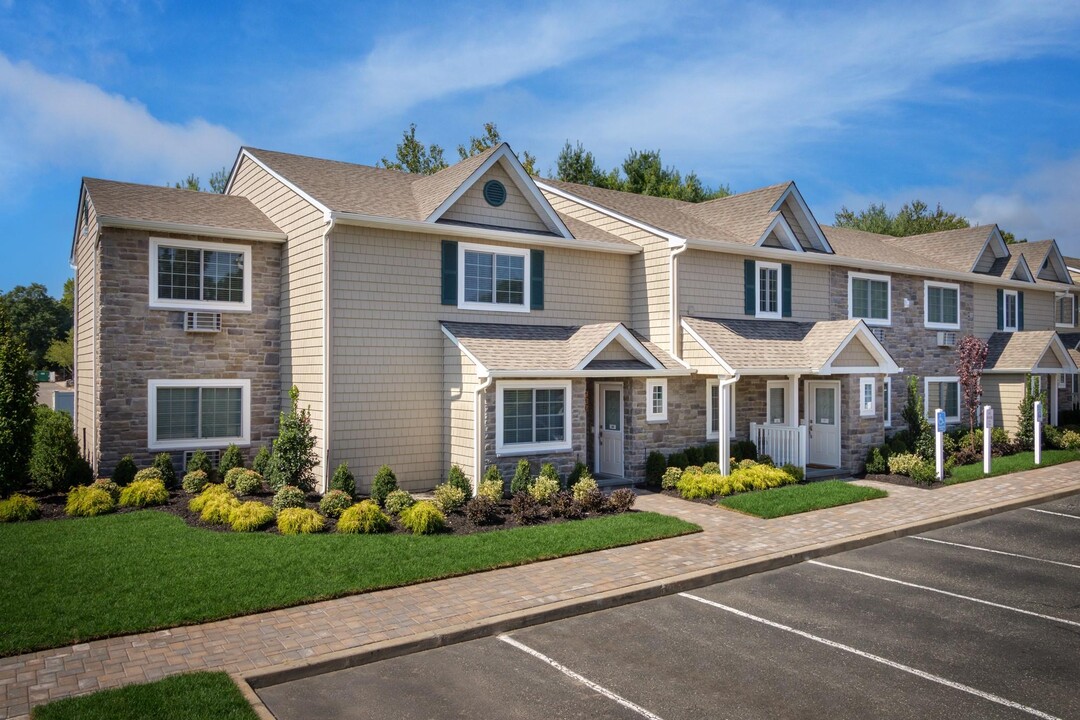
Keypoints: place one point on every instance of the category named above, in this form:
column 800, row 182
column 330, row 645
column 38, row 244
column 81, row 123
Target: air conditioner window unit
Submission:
column 199, row 321
column 946, row 339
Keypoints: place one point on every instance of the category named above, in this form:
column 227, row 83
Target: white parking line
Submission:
column 1051, row 512
column 580, row 678
column 876, row 658
column 945, row 592
column 996, row 552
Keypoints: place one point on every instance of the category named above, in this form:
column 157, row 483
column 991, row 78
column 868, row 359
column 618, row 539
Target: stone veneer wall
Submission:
column 684, row 427
column 139, row 344
column 858, row 433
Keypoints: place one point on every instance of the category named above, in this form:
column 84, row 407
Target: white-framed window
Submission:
column 867, row 404
column 1064, row 309
column 1061, row 383
column 493, row 278
column 942, row 302
column 712, row 409
column 870, row 298
column 532, row 416
column 1011, row 310
column 191, row 274
column 198, row 414
column 776, row 402
column 656, row 400
column 886, row 401
column 944, row 393
column 769, row 289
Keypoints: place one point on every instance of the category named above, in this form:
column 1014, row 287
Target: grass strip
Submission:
column 1010, row 464
column 193, row 696
column 794, row 499
column 69, row 581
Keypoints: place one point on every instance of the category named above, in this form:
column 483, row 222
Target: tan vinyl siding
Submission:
column 459, row 377
column 1038, row 310
column 515, row 213
column 301, row 289
column 985, row 310
column 1049, row 361
column 793, row 221
column 855, row 355
column 711, row 285
column 387, row 345
column 87, row 266
column 698, row 358
column 1004, row 393
column 615, row 351
column 985, row 262
column 648, row 280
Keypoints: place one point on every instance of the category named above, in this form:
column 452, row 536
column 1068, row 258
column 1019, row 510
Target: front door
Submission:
column 823, row 423
column 609, row 431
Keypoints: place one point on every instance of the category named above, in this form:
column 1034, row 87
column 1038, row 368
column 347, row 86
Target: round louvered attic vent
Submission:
column 494, row 193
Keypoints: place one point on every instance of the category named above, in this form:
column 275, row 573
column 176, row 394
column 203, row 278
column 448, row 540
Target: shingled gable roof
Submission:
column 1040, row 251
column 957, row 250
column 507, row 350
column 763, row 347
column 1023, row 352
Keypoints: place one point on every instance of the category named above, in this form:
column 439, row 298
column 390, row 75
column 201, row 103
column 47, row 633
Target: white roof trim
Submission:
column 524, row 183
column 886, row 364
column 673, row 239
column 1022, row 265
column 781, row 223
column 793, row 192
column 190, row 229
column 676, row 372
column 1059, row 261
column 708, row 348
column 281, row 179
column 995, row 234
column 627, row 340
column 481, row 370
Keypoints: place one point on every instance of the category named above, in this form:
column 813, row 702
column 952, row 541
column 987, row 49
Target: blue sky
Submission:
column 972, row 104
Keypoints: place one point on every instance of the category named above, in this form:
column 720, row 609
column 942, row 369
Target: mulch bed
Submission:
column 905, row 481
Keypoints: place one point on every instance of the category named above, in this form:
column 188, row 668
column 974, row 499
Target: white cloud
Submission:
column 53, row 122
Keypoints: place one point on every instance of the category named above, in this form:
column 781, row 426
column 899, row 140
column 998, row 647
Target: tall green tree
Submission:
column 61, row 354
column 412, row 156
column 575, row 164
column 67, row 300
column 191, row 182
column 39, row 318
column 642, row 172
column 218, row 180
column 914, row 218
column 491, row 138
column 18, row 396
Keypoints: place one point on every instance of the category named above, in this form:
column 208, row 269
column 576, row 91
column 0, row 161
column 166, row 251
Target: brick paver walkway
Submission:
column 259, row 641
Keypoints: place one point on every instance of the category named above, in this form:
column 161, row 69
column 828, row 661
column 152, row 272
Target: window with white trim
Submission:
column 886, row 401
column 944, row 393
column 204, row 414
column 1065, row 309
column 532, row 416
column 866, row 397
column 200, row 275
column 942, row 302
column 712, row 409
column 1012, row 312
column 869, row 298
column 769, row 302
column 776, row 410
column 656, row 399
column 1061, row 383
column 493, row 278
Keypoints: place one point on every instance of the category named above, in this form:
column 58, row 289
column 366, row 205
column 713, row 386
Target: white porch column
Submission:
column 794, row 400
column 723, row 441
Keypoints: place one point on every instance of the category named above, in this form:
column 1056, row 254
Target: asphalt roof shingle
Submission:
column 1020, row 351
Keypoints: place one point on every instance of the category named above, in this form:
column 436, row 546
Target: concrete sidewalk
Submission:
column 337, row 633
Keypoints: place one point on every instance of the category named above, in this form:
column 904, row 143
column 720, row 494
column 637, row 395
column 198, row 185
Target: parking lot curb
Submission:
column 650, row 590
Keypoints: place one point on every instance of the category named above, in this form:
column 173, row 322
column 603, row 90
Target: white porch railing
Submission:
column 783, row 443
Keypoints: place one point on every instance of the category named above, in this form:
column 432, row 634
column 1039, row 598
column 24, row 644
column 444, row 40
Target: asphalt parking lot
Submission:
column 980, row 620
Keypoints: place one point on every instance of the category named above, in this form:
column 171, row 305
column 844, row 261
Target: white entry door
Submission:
column 609, row 431
column 823, row 423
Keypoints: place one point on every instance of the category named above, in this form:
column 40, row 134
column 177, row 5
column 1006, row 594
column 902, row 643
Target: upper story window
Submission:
column 768, row 290
column 200, row 275
column 942, row 302
column 493, row 278
column 1065, row 310
column 1011, row 311
column 869, row 298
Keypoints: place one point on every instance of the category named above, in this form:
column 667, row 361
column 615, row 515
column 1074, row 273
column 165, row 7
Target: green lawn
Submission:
column 68, row 581
column 194, row 696
column 1010, row 464
column 793, row 499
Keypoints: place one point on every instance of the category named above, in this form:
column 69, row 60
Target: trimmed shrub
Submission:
column 397, row 501
column 547, row 470
column 200, row 461
column 210, row 494
column 125, row 471
column 144, row 493
column 293, row 457
column 334, row 503
column 522, row 477
column 423, row 518
column 744, row 464
column 524, row 508
column 251, row 516
column 230, row 478
column 621, row 500
column 765, row 460
column 711, row 467
column 247, row 482
column 693, row 469
column 678, row 460
column 343, row 480
column 583, row 487
column 364, row 517
column 108, row 486
column 877, row 462
column 964, row 456
column 230, row 459
column 385, row 482
column 194, row 482
column 86, row 501
column 696, row 486
column 902, row 463
column 218, row 508
column 924, row 473
column 150, row 473
column 1051, row 437
column 18, row 398
column 79, row 472
column 672, row 476
column 655, row 465
column 299, row 521
column 565, row 506
column 760, row 477
column 494, row 475
column 744, row 450
column 794, row 471
column 491, row 489
column 592, row 501
column 543, row 488
column 19, row 508
column 694, row 455
column 457, row 478
column 163, row 463
column 710, row 452
column 1001, row 443
column 1070, row 440
column 289, row 496
column 448, row 498
column 54, row 449
column 261, row 461
column 580, row 470
column 480, row 510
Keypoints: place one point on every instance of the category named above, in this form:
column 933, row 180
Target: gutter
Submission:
column 326, row 328
column 190, row 229
column 673, row 293
column 478, row 429
column 723, row 439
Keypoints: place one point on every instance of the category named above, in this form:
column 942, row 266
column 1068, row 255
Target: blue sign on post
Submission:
column 940, row 419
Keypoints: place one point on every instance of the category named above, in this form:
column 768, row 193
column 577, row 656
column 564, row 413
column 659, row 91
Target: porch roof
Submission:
column 1028, row 351
column 506, row 350
column 781, row 347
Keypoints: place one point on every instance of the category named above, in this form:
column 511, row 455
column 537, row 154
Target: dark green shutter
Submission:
column 536, row 271
column 785, row 289
column 1020, row 310
column 449, row 272
column 1001, row 309
column 749, row 285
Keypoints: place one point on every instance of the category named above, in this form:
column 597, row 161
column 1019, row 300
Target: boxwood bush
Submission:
column 247, row 482
column 334, row 503
column 522, row 477
column 397, row 501
column 194, row 482
column 19, row 508
column 230, row 459
column 144, row 493
column 364, row 517
column 423, row 518
column 125, row 470
column 53, row 451
column 655, row 465
column 299, row 521
column 261, row 461
column 491, row 489
column 457, row 478
column 200, row 461
column 384, row 483
column 583, row 487
column 343, row 480
column 163, row 462
column 108, row 486
column 85, row 501
column 251, row 516
column 289, row 496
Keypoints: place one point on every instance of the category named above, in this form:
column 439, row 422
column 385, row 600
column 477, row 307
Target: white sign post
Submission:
column 1038, row 432
column 988, row 427
column 939, row 434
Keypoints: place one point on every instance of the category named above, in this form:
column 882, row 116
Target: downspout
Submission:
column 673, row 293
column 724, row 435
column 327, row 304
column 478, row 428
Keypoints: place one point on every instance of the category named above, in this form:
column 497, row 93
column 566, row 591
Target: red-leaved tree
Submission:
column 970, row 360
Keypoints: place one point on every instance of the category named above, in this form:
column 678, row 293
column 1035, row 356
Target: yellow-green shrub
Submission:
column 108, row 486
column 144, row 493
column 218, row 508
column 299, row 521
column 150, row 473
column 1070, row 440
column 583, row 487
column 85, row 501
column 209, row 493
column 251, row 516
column 423, row 518
column 364, row 517
column 671, row 478
column 491, row 489
column 397, row 500
column 761, row 477
column 18, row 508
column 694, row 486
column 544, row 487
column 449, row 498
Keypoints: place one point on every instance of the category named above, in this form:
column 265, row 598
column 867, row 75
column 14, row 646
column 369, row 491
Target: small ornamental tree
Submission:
column 293, row 457
column 970, row 361
column 18, row 396
column 1025, row 431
